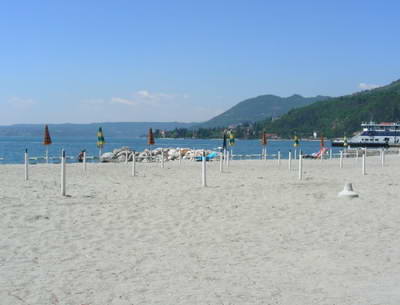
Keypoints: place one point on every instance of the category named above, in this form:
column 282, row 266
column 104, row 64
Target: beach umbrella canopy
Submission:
column 264, row 139
column 150, row 137
column 224, row 141
column 296, row 141
column 231, row 138
column 47, row 138
column 100, row 138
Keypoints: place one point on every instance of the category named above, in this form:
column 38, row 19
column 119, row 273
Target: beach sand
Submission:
column 255, row 235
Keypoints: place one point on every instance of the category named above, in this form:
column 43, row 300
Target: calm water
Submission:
column 12, row 148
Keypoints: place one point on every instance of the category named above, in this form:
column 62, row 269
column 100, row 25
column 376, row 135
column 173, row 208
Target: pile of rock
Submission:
column 169, row 154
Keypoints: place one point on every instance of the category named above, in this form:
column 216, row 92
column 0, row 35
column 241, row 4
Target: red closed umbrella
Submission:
column 150, row 137
column 264, row 139
column 47, row 141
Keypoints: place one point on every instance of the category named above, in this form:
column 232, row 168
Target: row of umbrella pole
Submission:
column 224, row 159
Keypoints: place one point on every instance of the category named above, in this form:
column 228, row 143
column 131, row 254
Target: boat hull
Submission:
column 349, row 144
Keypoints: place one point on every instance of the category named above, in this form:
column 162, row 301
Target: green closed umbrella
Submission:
column 345, row 144
column 100, row 140
column 231, row 138
column 296, row 141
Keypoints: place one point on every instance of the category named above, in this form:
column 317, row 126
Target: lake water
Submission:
column 12, row 148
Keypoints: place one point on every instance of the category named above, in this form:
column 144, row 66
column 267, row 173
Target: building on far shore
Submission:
column 273, row 136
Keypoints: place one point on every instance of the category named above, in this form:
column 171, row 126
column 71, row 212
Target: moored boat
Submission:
column 373, row 134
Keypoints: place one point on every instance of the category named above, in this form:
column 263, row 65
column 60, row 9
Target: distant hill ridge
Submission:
column 342, row 115
column 331, row 117
column 250, row 110
column 259, row 108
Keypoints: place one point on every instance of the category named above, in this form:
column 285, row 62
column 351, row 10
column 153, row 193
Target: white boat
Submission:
column 373, row 134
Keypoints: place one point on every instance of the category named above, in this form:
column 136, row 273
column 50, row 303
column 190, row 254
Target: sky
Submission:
column 111, row 61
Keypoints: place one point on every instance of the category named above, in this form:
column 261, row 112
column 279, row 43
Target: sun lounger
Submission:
column 209, row 157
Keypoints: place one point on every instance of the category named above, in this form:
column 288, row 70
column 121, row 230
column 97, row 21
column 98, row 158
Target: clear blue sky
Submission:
column 91, row 61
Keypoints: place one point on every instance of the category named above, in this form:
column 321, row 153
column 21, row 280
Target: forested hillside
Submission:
column 259, row 108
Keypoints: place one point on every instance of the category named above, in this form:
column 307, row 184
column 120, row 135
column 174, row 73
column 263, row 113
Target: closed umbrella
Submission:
column 150, row 137
column 224, row 146
column 296, row 141
column 264, row 139
column 264, row 142
column 231, row 138
column 100, row 140
column 231, row 142
column 224, row 141
column 322, row 142
column 150, row 141
column 47, row 141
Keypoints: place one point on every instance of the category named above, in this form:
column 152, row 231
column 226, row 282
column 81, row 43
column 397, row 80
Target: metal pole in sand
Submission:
column 357, row 155
column 227, row 158
column 180, row 156
column 84, row 161
column 300, row 167
column 330, row 154
column 341, row 159
column 133, row 164
column 221, row 164
column 203, row 170
column 383, row 157
column 47, row 154
column 26, row 165
column 290, row 160
column 126, row 157
column 279, row 158
column 162, row 158
column 295, row 154
column 363, row 164
column 63, row 173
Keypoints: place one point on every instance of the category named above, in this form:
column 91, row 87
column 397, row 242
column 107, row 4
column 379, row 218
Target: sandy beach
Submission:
column 255, row 235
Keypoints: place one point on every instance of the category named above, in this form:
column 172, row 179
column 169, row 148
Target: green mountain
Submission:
column 342, row 115
column 259, row 108
column 117, row 129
